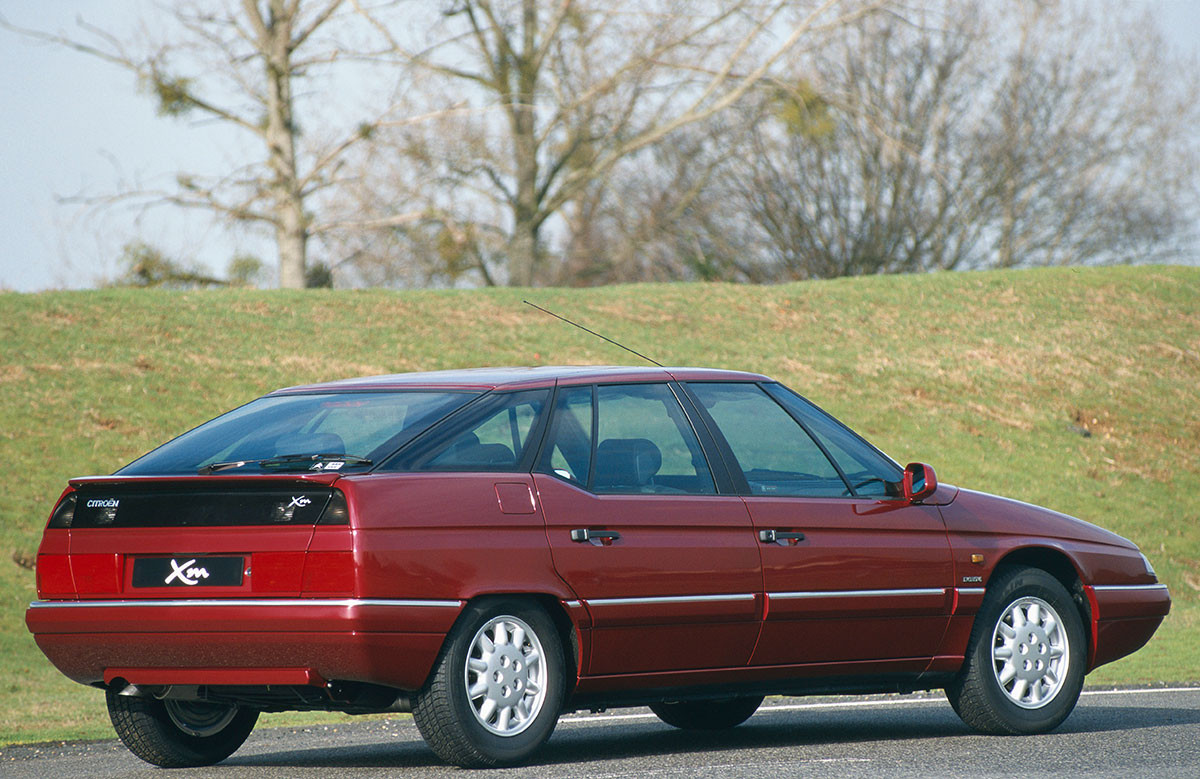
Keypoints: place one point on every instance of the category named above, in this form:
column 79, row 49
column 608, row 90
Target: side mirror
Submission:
column 919, row 482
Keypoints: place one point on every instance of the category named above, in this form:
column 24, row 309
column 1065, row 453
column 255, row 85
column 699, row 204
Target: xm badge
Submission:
column 299, row 502
column 185, row 574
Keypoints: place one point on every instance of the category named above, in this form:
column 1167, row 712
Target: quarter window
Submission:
column 775, row 453
column 569, row 450
column 491, row 435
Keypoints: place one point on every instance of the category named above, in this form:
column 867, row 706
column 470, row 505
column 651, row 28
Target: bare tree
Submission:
column 969, row 135
column 243, row 63
column 1090, row 139
column 540, row 100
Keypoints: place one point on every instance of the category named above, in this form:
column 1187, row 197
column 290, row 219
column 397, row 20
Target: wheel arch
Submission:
column 566, row 628
column 1059, row 565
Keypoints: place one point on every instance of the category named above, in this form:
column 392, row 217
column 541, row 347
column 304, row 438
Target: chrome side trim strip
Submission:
column 574, row 604
column 670, row 599
column 855, row 593
column 1127, row 587
column 348, row 603
column 970, row 590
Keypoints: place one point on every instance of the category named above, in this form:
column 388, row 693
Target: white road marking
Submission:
column 1151, row 690
column 601, row 718
column 699, row 770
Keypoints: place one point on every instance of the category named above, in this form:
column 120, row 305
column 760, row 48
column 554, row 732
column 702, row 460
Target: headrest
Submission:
column 626, row 462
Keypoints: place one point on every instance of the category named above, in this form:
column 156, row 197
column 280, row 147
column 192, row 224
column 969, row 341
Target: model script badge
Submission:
column 186, row 573
column 300, row 502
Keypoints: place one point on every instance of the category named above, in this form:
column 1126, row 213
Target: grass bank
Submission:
column 1071, row 388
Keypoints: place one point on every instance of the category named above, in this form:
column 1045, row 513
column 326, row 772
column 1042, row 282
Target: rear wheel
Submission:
column 1025, row 661
column 707, row 715
column 497, row 688
column 179, row 734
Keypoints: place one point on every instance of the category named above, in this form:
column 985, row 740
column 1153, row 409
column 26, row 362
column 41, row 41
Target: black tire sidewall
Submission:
column 503, row 750
column 146, row 729
column 1023, row 583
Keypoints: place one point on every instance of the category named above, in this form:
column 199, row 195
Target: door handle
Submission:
column 780, row 536
column 583, row 534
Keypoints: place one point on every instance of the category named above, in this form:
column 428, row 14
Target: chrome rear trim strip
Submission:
column 348, row 603
column 970, row 590
column 670, row 599
column 856, row 594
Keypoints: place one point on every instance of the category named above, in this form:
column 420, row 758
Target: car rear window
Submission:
column 368, row 425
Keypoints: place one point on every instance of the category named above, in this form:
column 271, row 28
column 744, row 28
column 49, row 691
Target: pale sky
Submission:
column 70, row 125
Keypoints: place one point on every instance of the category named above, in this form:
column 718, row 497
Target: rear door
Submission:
column 666, row 565
column 852, row 573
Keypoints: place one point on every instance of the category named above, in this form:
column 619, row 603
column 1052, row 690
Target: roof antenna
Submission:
column 593, row 332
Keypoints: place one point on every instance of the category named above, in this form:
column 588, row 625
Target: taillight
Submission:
column 328, row 573
column 64, row 512
column 54, row 576
column 336, row 511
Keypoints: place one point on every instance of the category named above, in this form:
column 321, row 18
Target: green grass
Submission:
column 988, row 376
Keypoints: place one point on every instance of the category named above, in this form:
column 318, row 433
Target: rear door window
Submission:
column 638, row 441
column 646, row 444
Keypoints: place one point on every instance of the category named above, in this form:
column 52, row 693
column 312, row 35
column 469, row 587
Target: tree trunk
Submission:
column 523, row 251
column 291, row 236
column 291, row 227
column 524, row 244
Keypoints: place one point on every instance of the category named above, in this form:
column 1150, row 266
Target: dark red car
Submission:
column 490, row 548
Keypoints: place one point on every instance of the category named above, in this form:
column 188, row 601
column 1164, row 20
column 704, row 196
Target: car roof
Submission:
column 521, row 378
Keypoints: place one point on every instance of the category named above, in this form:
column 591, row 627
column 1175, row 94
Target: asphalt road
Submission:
column 1143, row 734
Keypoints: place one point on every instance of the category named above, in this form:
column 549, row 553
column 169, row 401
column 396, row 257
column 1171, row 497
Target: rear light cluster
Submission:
column 54, row 578
column 322, row 566
column 336, row 512
column 64, row 512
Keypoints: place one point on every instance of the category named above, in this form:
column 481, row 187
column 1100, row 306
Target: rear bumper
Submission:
column 256, row 641
column 1124, row 617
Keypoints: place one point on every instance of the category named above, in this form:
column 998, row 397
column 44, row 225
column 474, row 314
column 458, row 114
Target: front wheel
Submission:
column 707, row 715
column 179, row 734
column 497, row 688
column 1025, row 660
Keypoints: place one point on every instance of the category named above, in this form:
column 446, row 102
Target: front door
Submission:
column 852, row 572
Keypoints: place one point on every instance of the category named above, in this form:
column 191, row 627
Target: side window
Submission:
column 568, row 450
column 489, row 436
column 645, row 443
column 774, row 452
column 867, row 469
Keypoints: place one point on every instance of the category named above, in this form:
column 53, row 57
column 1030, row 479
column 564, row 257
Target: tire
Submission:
column 1025, row 660
column 497, row 688
column 707, row 715
column 179, row 734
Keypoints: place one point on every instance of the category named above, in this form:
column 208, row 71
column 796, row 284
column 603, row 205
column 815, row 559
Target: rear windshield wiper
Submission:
column 320, row 462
